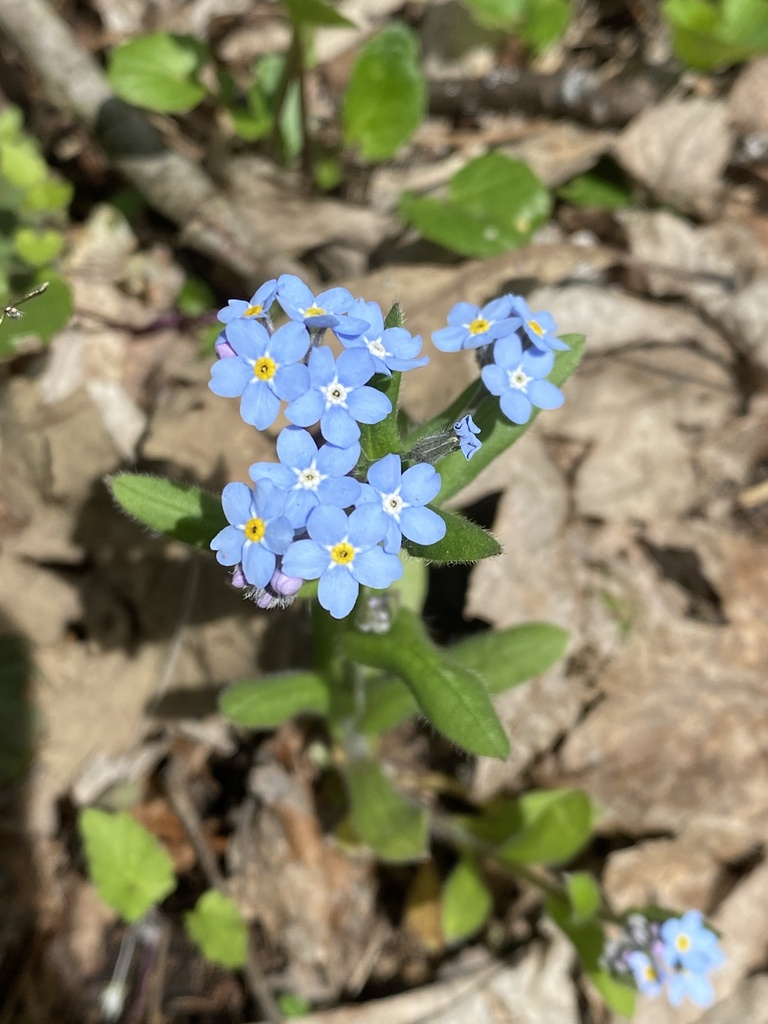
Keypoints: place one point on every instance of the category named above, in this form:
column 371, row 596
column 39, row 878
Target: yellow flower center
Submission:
column 683, row 943
column 479, row 326
column 649, row 973
column 255, row 529
column 537, row 330
column 253, row 311
column 314, row 311
column 343, row 553
column 264, row 368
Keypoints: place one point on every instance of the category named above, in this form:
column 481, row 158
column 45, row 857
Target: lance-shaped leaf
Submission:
column 464, row 541
column 269, row 701
column 467, row 901
column 453, row 698
column 181, row 511
column 393, row 827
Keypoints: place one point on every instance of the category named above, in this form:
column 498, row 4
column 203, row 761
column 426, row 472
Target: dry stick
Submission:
column 172, row 184
column 176, row 787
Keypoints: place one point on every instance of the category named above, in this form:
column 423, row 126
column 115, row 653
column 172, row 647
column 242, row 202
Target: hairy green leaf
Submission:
column 181, row 511
column 464, row 541
column 269, row 701
column 393, row 827
column 555, row 825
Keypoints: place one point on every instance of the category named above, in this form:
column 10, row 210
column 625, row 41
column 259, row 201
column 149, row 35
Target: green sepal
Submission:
column 269, row 701
column 453, row 698
column 181, row 511
column 464, row 541
column 392, row 826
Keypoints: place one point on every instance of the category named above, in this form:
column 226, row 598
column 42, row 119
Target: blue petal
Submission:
column 334, row 300
column 306, row 411
column 376, row 568
column 495, row 379
column 258, row 564
column 265, row 295
column 355, row 367
column 237, row 502
column 420, row 484
column 393, row 538
column 368, row 405
column 233, row 308
column 449, row 339
column 269, row 500
column 322, row 366
column 342, row 491
column 293, row 295
column 371, row 313
column 496, row 309
column 300, row 504
column 335, row 461
column 327, row 525
column 351, row 327
column 259, row 406
column 291, row 382
column 229, row 377
column 385, row 475
column 462, row 313
column 367, row 525
column 422, row 525
column 296, row 448
column 516, row 406
column 305, row 559
column 538, row 364
column 508, row 352
column 544, row 395
column 403, row 365
column 228, row 545
column 248, row 337
column 503, row 327
column 290, row 343
column 337, row 592
column 338, row 427
column 280, row 476
column 278, row 535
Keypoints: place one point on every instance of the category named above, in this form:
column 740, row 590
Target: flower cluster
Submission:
column 325, row 511
column 678, row 953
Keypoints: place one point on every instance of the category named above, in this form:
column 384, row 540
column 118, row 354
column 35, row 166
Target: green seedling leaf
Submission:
column 269, row 701
column 218, row 930
column 316, row 13
column 43, row 317
column 603, row 188
column 706, row 36
column 38, row 248
column 464, row 541
column 22, row 163
column 494, row 204
column 555, row 825
column 467, row 901
column 126, row 863
column 159, row 72
column 181, row 511
column 497, row 433
column 385, row 100
column 393, row 827
column 48, row 196
column 584, row 894
column 195, row 298
column 544, row 23
column 254, row 120
column 454, row 699
column 292, row 1005
column 503, row 14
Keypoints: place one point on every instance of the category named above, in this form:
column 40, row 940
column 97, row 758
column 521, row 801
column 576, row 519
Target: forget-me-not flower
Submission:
column 470, row 326
column 323, row 310
column 402, row 497
column 263, row 369
column 540, row 328
column 466, row 431
column 258, row 530
column 310, row 476
column 392, row 348
column 338, row 397
column 645, row 971
column 518, row 377
column 689, row 943
column 258, row 306
column 343, row 552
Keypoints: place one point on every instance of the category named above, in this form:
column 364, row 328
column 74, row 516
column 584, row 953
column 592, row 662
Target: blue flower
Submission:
column 690, row 944
column 259, row 305
column 646, row 973
column 310, row 476
column 402, row 497
column 518, row 376
column 323, row 310
column 471, row 326
column 540, row 327
column 258, row 530
column 694, row 985
column 343, row 552
column 392, row 348
column 466, row 430
column 263, row 370
column 337, row 396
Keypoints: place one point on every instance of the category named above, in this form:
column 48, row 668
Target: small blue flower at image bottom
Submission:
column 402, row 497
column 311, row 476
column 323, row 310
column 466, row 431
column 694, row 985
column 343, row 552
column 392, row 348
column 518, row 377
column 690, row 944
column 647, row 977
column 263, row 370
column 337, row 396
column 540, row 328
column 472, row 326
column 258, row 530
column 258, row 306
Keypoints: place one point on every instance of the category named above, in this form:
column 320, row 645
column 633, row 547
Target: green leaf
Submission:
column 507, row 657
column 22, row 163
column 49, row 196
column 37, row 248
column 494, row 204
column 315, row 13
column 195, row 297
column 464, row 541
column 269, row 701
column 217, row 928
column 43, row 317
column 126, row 863
column 453, row 698
column 467, row 901
column 393, row 827
column 253, row 120
column 700, row 35
column 503, row 14
column 497, row 433
column 159, row 72
column 16, row 710
column 620, row 998
column 746, row 23
column 181, row 511
column 555, row 825
column 385, row 101
column 11, row 123
column 544, row 23
column 584, row 895
column 605, row 187
column 292, row 1005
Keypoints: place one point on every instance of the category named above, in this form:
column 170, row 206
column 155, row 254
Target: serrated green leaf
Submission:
column 316, row 13
column 269, row 701
column 159, row 72
column 584, row 895
column 393, row 827
column 453, row 698
column 43, row 317
column 181, row 511
column 38, row 248
column 497, row 433
column 466, row 902
column 385, row 101
column 555, row 825
column 126, row 863
column 464, row 541
column 217, row 928
column 494, row 204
